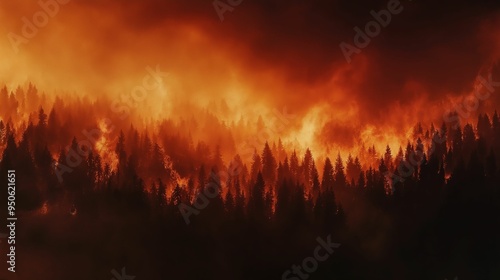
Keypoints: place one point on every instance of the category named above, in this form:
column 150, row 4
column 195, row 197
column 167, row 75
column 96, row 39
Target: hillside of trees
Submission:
column 431, row 210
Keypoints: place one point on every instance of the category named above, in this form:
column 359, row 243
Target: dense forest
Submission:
column 164, row 206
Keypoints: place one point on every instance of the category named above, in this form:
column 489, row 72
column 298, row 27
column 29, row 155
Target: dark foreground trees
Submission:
column 431, row 211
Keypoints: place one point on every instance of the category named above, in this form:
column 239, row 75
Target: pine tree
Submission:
column 361, row 180
column 294, row 166
column 157, row 164
column 315, row 181
column 457, row 141
column 340, row 180
column 42, row 118
column 327, row 181
column 257, row 202
column 176, row 198
column 122, row 159
column 202, row 179
column 307, row 164
column 350, row 168
column 388, row 158
column 469, row 141
column 268, row 165
column 256, row 166
column 161, row 195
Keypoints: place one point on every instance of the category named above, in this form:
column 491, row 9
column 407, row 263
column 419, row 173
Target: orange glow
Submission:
column 217, row 86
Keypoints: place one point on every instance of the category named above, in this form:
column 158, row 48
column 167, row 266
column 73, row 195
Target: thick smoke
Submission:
column 265, row 53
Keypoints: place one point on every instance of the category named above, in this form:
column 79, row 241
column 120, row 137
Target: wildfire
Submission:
column 233, row 92
column 104, row 145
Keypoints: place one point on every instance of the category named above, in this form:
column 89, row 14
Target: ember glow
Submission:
column 159, row 98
